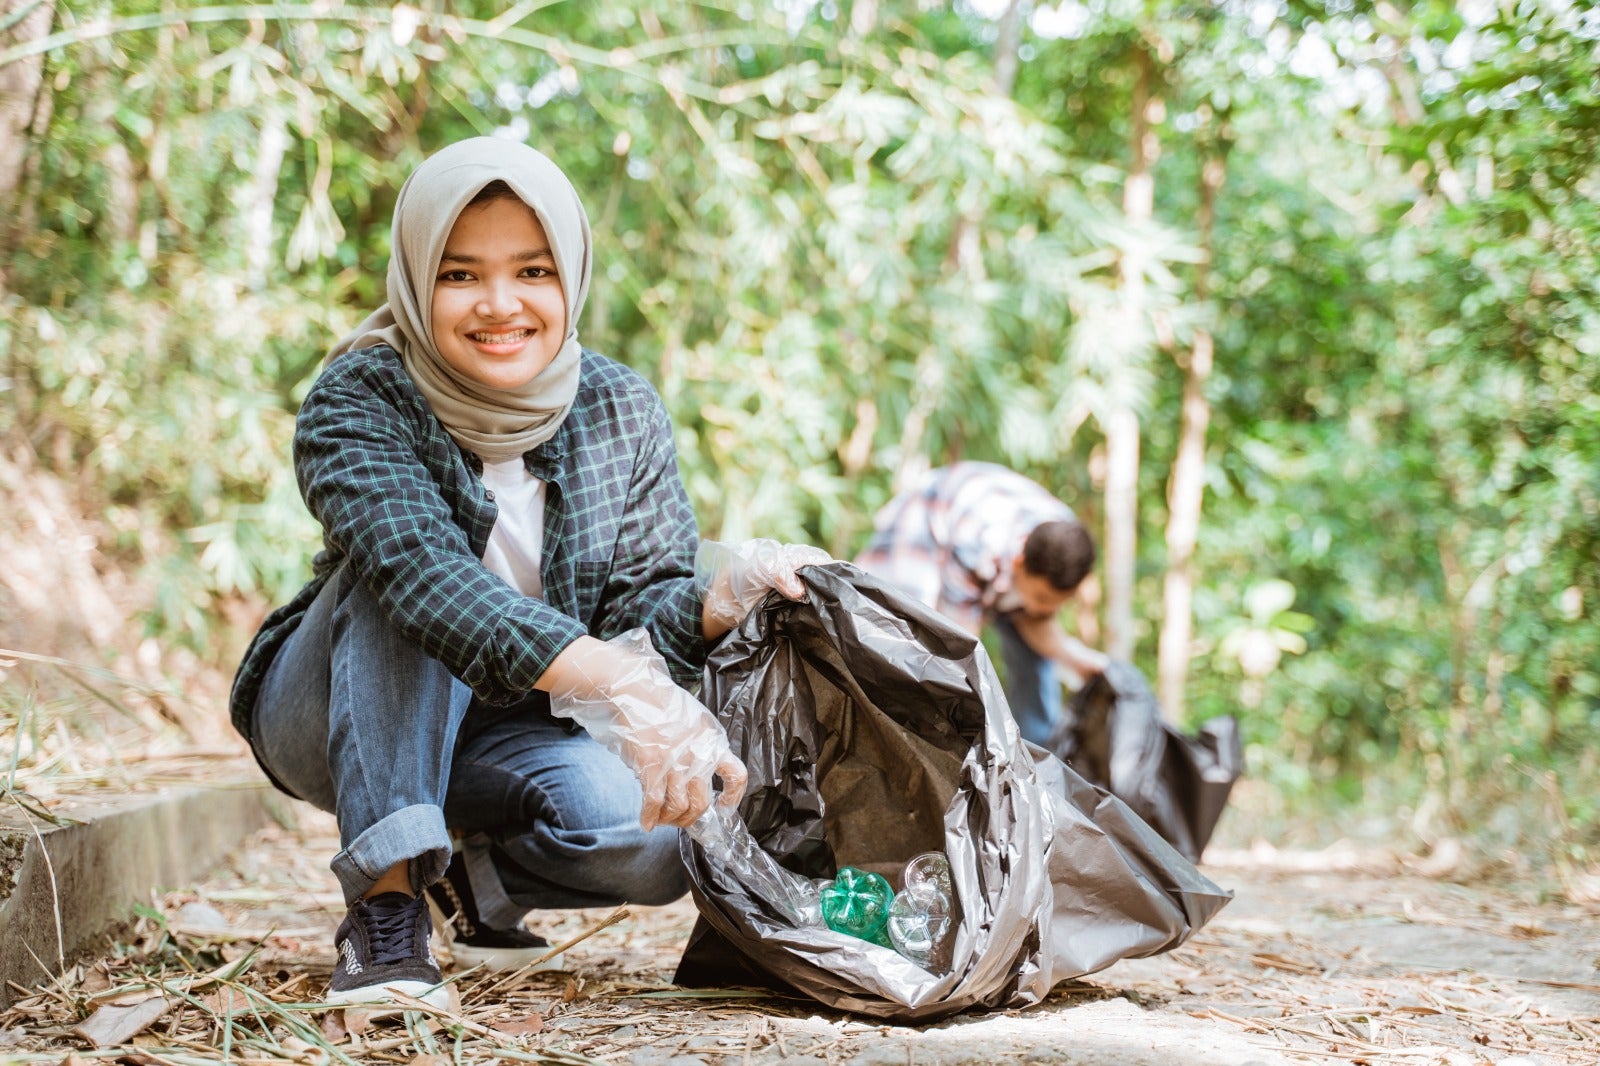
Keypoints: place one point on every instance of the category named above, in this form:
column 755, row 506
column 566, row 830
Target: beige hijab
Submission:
column 497, row 424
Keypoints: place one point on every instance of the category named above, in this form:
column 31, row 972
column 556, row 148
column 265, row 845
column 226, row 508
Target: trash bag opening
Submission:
column 885, row 789
column 850, row 763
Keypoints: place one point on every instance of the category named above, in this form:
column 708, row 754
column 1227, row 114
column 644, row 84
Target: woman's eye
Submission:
column 455, row 275
column 538, row 272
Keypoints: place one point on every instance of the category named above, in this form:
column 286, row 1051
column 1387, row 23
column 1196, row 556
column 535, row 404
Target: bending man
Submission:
column 983, row 544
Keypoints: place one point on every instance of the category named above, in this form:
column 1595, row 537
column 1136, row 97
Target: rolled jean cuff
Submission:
column 416, row 833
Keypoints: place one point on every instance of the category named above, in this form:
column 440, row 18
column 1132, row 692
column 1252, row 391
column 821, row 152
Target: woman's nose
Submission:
column 498, row 300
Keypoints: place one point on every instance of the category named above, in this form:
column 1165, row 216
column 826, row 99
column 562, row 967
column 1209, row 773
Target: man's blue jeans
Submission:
column 1033, row 687
column 357, row 720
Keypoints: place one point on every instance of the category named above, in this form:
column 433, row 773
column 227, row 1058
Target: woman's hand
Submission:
column 620, row 692
column 735, row 577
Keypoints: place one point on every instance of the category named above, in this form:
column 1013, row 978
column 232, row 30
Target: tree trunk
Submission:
column 1122, row 424
column 1122, row 520
column 272, row 146
column 863, row 18
column 1186, row 491
column 1006, row 57
column 966, row 253
column 964, row 256
column 20, row 83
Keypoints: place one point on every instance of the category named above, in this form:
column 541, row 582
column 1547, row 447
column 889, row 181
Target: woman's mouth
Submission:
column 500, row 339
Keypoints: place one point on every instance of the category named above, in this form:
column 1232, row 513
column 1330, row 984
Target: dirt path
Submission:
column 1306, row 965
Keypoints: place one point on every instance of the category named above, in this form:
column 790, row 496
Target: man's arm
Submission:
column 1046, row 637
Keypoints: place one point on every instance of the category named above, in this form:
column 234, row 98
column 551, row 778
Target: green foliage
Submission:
column 843, row 256
column 1409, row 410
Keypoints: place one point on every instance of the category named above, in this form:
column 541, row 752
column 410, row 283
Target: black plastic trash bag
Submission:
column 1113, row 735
column 875, row 730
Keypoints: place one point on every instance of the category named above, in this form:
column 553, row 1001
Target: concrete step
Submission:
column 65, row 890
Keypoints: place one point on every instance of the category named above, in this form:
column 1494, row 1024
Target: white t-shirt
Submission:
column 517, row 540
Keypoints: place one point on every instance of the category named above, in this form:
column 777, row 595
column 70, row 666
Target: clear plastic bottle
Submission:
column 919, row 922
column 929, row 868
column 737, row 858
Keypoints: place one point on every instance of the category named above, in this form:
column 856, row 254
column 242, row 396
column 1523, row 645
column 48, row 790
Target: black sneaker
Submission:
column 471, row 941
column 382, row 946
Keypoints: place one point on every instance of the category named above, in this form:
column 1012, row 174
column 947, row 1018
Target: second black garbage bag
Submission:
column 875, row 730
column 1113, row 733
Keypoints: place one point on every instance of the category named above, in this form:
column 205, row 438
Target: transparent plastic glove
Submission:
column 733, row 578
column 722, row 833
column 620, row 692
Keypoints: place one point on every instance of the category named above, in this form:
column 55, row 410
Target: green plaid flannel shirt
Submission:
column 405, row 506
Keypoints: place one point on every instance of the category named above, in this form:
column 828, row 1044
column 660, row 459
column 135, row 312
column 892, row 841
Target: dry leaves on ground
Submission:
column 1302, row 967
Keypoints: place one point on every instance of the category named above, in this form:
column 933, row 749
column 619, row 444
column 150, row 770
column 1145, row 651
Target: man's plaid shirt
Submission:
column 950, row 539
column 404, row 505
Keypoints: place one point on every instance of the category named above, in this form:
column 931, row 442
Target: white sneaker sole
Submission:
column 502, row 960
column 498, row 960
column 380, row 995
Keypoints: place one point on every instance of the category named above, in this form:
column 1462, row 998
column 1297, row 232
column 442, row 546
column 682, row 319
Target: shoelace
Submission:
column 389, row 932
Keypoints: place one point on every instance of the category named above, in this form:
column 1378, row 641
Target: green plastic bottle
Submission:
column 857, row 903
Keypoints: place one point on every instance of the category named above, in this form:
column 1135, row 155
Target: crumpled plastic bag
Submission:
column 1113, row 735
column 874, row 730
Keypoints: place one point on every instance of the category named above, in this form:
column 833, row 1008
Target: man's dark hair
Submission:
column 1060, row 552
column 495, row 190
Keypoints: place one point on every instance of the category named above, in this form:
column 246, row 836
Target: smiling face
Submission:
column 499, row 311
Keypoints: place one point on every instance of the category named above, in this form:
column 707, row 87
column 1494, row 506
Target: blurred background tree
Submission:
column 1295, row 302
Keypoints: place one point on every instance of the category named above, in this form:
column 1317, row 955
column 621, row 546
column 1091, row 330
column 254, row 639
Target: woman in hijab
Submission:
column 482, row 678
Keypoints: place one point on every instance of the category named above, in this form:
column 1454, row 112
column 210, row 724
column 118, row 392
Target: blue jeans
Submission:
column 1032, row 687
column 355, row 719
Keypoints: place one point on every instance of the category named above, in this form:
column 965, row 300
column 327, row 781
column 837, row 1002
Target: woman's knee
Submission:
column 577, row 828
column 657, row 876
column 615, row 861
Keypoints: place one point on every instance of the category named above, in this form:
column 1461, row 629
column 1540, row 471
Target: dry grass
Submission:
column 72, row 731
column 1339, row 956
column 1363, row 965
